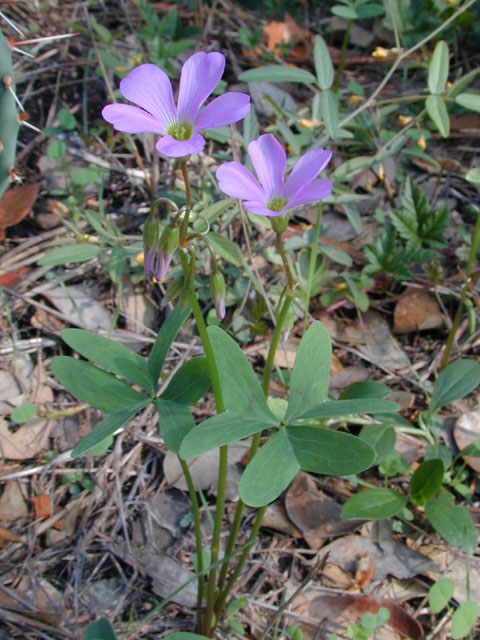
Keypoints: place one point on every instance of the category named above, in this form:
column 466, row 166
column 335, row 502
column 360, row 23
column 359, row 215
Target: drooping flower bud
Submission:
column 165, row 248
column 218, row 291
column 151, row 232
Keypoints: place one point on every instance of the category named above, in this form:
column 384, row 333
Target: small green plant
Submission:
column 464, row 616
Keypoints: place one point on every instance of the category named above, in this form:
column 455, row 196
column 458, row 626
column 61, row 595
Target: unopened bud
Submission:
column 175, row 288
column 169, row 240
column 218, row 291
column 151, row 232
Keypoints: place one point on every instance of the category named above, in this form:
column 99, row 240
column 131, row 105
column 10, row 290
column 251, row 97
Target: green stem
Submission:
column 207, row 626
column 198, row 536
column 312, row 263
column 463, row 297
column 286, row 266
column 188, row 203
column 343, row 52
column 253, row 450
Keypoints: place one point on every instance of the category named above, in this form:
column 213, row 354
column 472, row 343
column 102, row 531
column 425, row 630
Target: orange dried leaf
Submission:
column 42, row 505
column 15, row 204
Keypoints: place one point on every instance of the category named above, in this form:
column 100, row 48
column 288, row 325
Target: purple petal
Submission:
column 220, row 308
column 228, row 108
column 261, row 209
column 172, row 148
column 269, row 160
column 313, row 192
column 161, row 267
column 150, row 88
column 130, row 119
column 200, row 75
column 236, row 181
column 306, row 170
column 149, row 260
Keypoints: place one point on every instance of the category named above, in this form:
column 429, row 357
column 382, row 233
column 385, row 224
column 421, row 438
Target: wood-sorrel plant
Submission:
column 301, row 438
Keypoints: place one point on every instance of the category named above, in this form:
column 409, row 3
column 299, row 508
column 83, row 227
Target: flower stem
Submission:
column 286, row 266
column 341, row 64
column 222, row 469
column 253, row 450
column 312, row 264
column 188, row 204
column 198, row 536
column 463, row 297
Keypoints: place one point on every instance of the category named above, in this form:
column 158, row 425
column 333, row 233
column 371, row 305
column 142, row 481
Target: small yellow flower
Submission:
column 139, row 258
column 308, row 124
column 404, row 120
column 381, row 172
column 449, row 84
column 380, row 52
column 422, row 143
column 340, row 286
column 354, row 99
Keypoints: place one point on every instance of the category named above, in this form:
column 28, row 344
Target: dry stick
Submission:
column 311, row 575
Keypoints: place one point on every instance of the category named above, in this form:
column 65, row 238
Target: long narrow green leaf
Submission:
column 107, row 427
column 455, row 381
column 337, row 408
column 311, row 372
column 241, row 391
column 189, row 383
column 222, row 429
column 438, row 113
column 269, row 472
column 277, row 73
column 323, row 63
column 438, row 68
column 175, row 422
column 329, row 112
column 97, row 387
column 167, row 334
column 329, row 452
column 110, row 355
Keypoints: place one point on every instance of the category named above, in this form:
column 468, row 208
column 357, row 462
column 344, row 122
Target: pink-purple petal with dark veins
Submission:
column 313, row 192
column 227, row 108
column 129, row 119
column 172, row 148
column 200, row 75
column 306, row 170
column 149, row 87
column 269, row 161
column 237, row 182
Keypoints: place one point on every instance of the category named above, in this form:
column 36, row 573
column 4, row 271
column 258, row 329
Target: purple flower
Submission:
column 271, row 196
column 149, row 87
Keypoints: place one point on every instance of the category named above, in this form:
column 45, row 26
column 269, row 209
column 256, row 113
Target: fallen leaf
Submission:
column 42, row 505
column 416, row 311
column 465, row 432
column 7, row 535
column 364, row 570
column 276, row 518
column 80, row 307
column 12, row 502
column 351, row 607
column 27, row 441
column 137, row 309
column 15, row 204
column 315, row 513
column 13, row 278
column 389, row 557
column 284, row 32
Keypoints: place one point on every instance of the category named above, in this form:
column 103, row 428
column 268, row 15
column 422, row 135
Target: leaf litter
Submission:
column 72, row 535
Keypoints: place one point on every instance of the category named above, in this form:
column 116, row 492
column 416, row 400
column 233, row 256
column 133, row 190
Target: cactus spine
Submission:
column 9, row 122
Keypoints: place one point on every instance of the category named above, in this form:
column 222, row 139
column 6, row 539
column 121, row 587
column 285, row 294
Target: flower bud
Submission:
column 218, row 291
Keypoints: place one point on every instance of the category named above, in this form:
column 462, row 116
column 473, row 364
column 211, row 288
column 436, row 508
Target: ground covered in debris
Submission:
column 110, row 533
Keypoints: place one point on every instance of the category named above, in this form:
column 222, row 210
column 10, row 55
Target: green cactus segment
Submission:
column 9, row 123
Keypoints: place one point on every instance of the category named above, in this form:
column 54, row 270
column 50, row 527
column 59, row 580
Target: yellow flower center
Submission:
column 180, row 130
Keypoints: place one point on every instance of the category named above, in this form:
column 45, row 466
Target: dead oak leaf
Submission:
column 15, row 204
